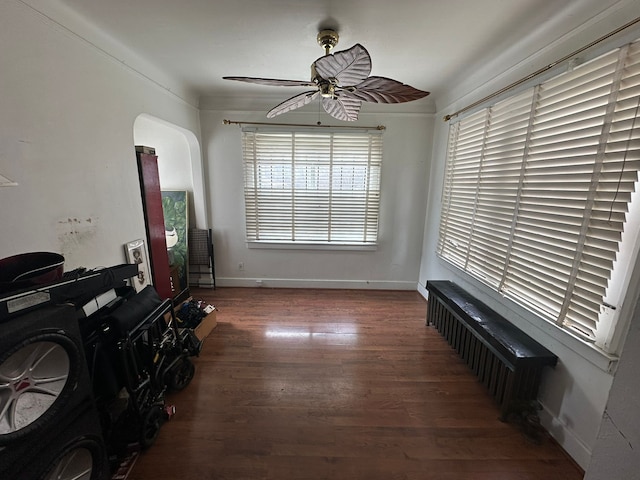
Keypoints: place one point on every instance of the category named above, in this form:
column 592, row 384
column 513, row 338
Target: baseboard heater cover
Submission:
column 505, row 359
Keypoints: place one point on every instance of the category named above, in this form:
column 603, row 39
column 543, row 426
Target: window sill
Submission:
column 311, row 246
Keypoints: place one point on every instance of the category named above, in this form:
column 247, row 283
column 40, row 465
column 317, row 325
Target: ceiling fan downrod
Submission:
column 327, row 40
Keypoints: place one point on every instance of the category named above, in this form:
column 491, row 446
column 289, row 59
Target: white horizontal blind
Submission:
column 460, row 187
column 312, row 187
column 537, row 188
column 500, row 180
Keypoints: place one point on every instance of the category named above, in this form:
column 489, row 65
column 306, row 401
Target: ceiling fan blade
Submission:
column 348, row 67
column 342, row 108
column 383, row 90
column 293, row 103
column 273, row 81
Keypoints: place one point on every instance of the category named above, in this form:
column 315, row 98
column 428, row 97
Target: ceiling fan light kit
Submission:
column 342, row 82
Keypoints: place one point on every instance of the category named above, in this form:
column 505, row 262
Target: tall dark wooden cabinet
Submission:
column 154, row 220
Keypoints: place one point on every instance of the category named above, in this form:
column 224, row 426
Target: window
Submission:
column 308, row 187
column 537, row 189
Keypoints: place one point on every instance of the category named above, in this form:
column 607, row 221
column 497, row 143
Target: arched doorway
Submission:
column 179, row 173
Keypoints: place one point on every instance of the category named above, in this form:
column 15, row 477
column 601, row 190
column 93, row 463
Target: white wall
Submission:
column 574, row 394
column 179, row 162
column 172, row 149
column 67, row 112
column 614, row 454
column 403, row 201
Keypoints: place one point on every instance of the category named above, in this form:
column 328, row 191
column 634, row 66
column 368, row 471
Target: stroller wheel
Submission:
column 77, row 464
column 37, row 378
column 181, row 375
column 151, row 426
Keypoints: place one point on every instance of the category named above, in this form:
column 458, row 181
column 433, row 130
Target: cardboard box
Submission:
column 207, row 324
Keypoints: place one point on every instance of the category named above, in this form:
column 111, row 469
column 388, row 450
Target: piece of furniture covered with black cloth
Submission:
column 505, row 359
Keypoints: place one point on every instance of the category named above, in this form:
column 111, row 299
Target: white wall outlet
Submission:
column 240, row 265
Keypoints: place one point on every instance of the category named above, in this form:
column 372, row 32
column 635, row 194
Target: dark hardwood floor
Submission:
column 333, row 384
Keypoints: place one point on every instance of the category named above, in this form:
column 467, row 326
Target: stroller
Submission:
column 136, row 354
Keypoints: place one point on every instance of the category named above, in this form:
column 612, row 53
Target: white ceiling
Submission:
column 429, row 44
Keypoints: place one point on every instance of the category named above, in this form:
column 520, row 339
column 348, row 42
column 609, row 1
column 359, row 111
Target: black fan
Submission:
column 343, row 81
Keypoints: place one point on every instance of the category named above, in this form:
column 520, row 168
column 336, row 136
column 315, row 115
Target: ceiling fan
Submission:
column 342, row 80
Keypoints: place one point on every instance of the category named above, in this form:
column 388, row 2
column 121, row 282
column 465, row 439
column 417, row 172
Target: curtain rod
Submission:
column 542, row 70
column 318, row 125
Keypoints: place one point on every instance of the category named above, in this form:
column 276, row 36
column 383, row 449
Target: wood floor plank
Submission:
column 333, row 384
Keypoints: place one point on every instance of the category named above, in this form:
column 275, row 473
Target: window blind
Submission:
column 312, row 187
column 537, row 188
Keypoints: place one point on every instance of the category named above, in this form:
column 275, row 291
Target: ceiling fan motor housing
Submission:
column 327, row 89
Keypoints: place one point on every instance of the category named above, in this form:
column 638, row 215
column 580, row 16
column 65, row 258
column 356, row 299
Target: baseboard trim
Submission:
column 305, row 283
column 562, row 434
column 422, row 290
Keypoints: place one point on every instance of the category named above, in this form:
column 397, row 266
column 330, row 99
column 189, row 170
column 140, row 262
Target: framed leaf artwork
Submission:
column 176, row 225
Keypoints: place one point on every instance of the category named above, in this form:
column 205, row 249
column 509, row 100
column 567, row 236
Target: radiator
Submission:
column 507, row 361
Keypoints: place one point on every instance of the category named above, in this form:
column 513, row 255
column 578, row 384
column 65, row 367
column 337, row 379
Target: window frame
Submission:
column 608, row 339
column 329, row 187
